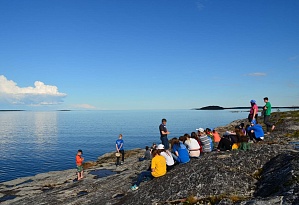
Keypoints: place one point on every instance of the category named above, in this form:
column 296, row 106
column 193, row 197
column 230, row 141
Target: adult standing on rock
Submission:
column 253, row 111
column 163, row 133
column 267, row 113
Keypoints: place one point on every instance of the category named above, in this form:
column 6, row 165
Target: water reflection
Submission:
column 45, row 128
column 28, row 141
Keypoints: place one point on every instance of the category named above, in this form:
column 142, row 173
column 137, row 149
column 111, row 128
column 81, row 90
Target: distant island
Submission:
column 10, row 110
column 25, row 110
column 215, row 107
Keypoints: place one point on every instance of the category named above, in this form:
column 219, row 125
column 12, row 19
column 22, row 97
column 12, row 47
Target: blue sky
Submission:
column 140, row 54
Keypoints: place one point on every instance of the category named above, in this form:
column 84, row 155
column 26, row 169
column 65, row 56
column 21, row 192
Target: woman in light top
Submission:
column 167, row 155
column 192, row 145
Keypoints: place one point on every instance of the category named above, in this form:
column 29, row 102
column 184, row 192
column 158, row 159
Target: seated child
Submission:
column 158, row 169
column 180, row 151
column 167, row 155
column 192, row 145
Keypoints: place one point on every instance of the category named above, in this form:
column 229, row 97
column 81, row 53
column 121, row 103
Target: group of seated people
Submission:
column 240, row 138
column 196, row 144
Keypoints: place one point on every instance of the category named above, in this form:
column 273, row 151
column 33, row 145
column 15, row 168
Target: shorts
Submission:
column 80, row 168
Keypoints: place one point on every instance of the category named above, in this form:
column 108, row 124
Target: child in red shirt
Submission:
column 79, row 161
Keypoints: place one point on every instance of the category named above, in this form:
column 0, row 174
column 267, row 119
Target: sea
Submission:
column 33, row 142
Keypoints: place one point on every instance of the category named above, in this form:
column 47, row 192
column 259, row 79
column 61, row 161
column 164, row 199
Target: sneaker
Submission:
column 133, row 188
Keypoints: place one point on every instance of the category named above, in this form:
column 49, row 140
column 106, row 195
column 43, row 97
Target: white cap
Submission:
column 200, row 129
column 160, row 146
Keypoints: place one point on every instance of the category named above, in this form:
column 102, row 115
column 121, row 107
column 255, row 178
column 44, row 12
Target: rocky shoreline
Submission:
column 266, row 174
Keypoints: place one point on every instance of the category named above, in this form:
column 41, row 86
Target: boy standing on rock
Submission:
column 267, row 113
column 79, row 161
column 119, row 145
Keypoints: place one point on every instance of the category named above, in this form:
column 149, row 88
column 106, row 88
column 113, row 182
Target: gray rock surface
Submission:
column 266, row 174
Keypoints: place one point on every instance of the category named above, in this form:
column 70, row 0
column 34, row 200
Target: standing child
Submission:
column 79, row 161
column 119, row 145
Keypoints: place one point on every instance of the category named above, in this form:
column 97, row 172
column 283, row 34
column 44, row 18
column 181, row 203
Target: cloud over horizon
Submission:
column 40, row 94
column 84, row 106
column 256, row 74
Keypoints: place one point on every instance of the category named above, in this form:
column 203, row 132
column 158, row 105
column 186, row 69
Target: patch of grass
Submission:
column 217, row 198
column 293, row 134
column 191, row 200
column 296, row 133
column 257, row 174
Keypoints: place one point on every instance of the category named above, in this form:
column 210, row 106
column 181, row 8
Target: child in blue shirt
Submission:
column 255, row 131
column 119, row 145
column 180, row 151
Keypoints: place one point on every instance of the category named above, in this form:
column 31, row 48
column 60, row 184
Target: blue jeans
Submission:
column 165, row 142
column 143, row 175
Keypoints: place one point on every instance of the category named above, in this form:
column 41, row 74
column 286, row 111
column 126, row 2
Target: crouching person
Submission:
column 255, row 131
column 158, row 169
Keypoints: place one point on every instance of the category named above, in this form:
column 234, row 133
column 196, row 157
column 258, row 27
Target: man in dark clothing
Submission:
column 163, row 133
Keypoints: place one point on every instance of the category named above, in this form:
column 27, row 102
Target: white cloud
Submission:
column 294, row 58
column 200, row 4
column 85, row 106
column 257, row 74
column 40, row 94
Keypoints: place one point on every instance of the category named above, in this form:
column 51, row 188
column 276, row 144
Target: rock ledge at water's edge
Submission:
column 266, row 174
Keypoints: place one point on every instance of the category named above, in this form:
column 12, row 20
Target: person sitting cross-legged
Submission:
column 158, row 169
column 192, row 145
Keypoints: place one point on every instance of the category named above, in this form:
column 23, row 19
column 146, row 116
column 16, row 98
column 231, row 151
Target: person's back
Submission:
column 211, row 143
column 147, row 154
column 168, row 157
column 182, row 152
column 192, row 144
column 216, row 135
column 159, row 166
column 224, row 144
column 205, row 141
column 233, row 138
column 193, row 147
column 258, row 130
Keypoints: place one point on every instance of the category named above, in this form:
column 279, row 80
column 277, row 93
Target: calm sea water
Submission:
column 36, row 142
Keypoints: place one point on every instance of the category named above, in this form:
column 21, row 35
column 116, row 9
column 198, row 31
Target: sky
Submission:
column 140, row 54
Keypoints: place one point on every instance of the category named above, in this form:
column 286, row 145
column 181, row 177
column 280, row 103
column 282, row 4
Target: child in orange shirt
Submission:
column 79, row 161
